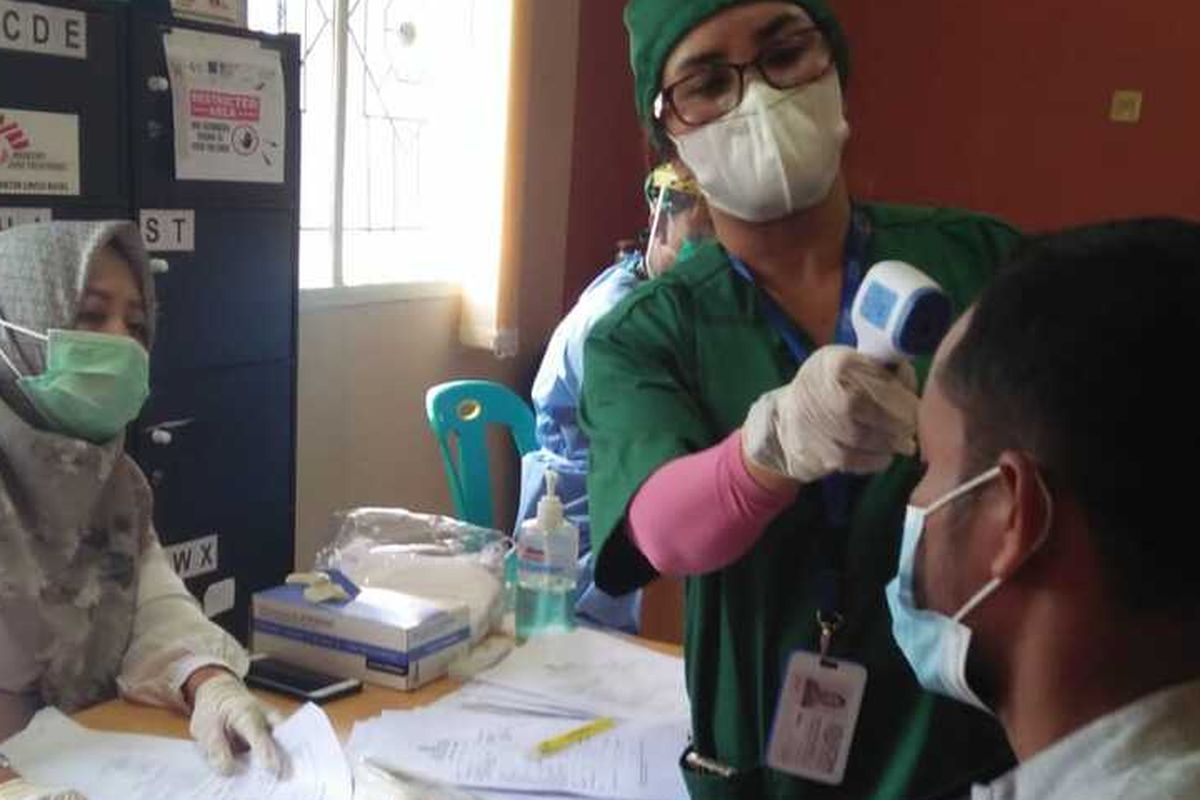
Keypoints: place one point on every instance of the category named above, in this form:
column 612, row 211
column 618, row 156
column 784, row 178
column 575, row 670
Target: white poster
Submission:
column 232, row 12
column 229, row 108
column 39, row 152
column 35, row 28
column 11, row 216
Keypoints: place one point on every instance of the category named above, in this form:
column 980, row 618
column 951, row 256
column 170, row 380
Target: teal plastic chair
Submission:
column 459, row 414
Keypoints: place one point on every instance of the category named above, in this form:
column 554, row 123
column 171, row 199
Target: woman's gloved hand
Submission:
column 225, row 716
column 842, row 412
column 21, row 789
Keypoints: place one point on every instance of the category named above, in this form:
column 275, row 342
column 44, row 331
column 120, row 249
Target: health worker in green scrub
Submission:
column 746, row 347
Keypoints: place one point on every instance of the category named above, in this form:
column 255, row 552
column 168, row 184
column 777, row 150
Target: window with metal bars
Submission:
column 404, row 115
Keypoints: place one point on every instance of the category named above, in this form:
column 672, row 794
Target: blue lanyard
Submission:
column 858, row 241
column 836, row 489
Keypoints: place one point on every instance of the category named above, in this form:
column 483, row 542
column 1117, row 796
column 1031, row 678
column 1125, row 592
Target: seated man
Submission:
column 678, row 217
column 1048, row 566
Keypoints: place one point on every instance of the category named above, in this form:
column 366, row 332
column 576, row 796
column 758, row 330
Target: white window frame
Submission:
column 338, row 293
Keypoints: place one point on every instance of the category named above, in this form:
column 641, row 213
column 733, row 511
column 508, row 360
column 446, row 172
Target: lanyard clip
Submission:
column 830, row 624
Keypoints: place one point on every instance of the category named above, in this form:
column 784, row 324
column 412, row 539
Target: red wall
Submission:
column 1004, row 106
column 1000, row 107
column 609, row 161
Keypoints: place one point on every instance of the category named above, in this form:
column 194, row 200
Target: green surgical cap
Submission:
column 657, row 26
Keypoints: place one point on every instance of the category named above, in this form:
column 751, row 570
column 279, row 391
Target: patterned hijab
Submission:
column 74, row 516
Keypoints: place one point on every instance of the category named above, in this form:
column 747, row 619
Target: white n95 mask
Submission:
column 777, row 153
column 935, row 645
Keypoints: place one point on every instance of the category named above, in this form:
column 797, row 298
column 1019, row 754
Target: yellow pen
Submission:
column 557, row 744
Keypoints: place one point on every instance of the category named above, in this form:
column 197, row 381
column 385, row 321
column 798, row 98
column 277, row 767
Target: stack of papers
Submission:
column 55, row 751
column 478, row 751
column 484, row 737
column 600, row 673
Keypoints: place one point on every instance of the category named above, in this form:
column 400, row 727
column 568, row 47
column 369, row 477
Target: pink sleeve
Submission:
column 702, row 512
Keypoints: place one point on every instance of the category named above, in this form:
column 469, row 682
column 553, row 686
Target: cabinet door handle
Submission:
column 162, row 433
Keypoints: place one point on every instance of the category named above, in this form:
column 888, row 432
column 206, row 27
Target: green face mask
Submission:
column 94, row 384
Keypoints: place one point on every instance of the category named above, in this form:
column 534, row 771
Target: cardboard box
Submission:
column 380, row 636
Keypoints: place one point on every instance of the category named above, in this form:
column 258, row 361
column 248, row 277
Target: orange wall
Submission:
column 1003, row 106
column 608, row 161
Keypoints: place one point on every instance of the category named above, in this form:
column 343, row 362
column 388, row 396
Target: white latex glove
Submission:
column 21, row 789
column 225, row 715
column 842, row 412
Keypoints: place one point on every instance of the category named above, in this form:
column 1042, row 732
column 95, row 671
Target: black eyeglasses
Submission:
column 713, row 90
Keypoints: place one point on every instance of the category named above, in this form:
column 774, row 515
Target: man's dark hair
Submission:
column 1083, row 354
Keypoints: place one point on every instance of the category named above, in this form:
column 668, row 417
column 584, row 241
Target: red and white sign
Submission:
column 208, row 104
column 39, row 152
column 228, row 103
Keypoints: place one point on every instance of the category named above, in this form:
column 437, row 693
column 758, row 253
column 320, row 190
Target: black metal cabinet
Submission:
column 214, row 444
column 217, row 437
column 93, row 88
column 221, row 305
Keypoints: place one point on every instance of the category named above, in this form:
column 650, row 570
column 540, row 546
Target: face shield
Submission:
column 678, row 216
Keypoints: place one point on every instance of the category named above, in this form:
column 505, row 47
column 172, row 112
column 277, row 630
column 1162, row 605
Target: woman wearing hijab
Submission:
column 89, row 605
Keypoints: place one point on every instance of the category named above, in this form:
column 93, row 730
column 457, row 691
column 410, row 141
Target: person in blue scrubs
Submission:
column 678, row 219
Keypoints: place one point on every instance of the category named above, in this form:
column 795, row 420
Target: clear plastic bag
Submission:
column 431, row 556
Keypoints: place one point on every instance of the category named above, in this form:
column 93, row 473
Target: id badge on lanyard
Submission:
column 815, row 718
column 818, row 707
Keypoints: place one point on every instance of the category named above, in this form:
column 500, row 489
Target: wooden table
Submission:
column 126, row 717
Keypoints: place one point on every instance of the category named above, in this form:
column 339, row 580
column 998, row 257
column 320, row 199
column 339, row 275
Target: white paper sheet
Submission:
column 635, row 760
column 501, row 700
column 599, row 672
column 55, row 751
column 232, row 12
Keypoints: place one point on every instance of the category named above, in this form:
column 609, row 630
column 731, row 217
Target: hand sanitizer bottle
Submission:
column 547, row 568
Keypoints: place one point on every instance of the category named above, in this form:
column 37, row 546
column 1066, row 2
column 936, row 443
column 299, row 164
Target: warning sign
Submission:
column 223, row 105
column 39, row 152
column 229, row 108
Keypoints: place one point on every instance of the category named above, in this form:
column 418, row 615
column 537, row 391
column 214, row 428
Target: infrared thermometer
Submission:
column 899, row 313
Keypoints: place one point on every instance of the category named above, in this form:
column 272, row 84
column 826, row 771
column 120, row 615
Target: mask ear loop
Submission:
column 19, row 329
column 966, row 488
column 4, row 357
column 995, row 583
column 653, row 243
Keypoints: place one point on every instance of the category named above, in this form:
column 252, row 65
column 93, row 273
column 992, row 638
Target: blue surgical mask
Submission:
column 935, row 645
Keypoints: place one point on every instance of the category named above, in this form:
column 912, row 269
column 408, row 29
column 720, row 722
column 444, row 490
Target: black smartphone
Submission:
column 299, row 682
